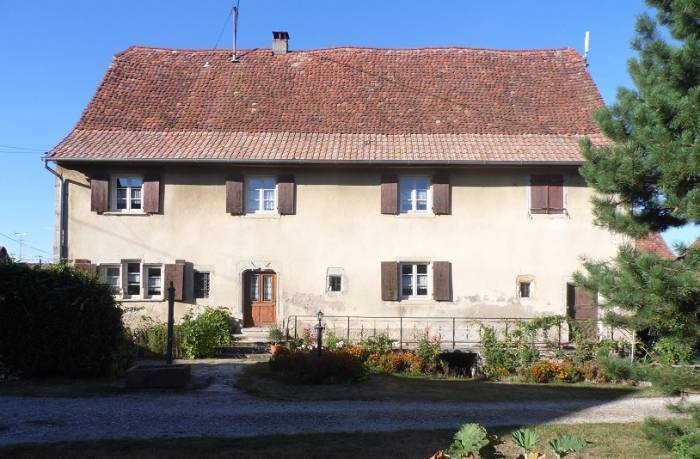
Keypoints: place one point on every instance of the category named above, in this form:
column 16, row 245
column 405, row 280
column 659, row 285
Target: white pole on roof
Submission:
column 234, row 19
column 586, row 46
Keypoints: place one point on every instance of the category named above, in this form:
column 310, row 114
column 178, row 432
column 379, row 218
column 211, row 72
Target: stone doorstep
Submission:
column 158, row 376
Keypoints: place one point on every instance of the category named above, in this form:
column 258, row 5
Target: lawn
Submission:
column 257, row 380
column 608, row 440
column 63, row 387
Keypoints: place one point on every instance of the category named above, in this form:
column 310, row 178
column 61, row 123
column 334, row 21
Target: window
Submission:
column 525, row 289
column 547, row 195
column 201, row 284
column 111, row 276
column 414, row 280
column 414, row 195
column 126, row 196
column 261, row 195
column 133, row 279
column 154, row 281
column 267, row 287
column 335, row 283
column 253, row 288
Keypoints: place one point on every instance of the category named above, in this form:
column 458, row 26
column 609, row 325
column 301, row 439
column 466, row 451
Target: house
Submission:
column 392, row 183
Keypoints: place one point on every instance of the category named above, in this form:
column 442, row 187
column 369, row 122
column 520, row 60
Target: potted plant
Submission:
column 276, row 336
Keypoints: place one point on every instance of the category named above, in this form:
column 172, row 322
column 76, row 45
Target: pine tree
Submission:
column 648, row 177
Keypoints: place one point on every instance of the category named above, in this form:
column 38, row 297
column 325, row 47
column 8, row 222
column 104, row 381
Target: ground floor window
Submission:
column 133, row 279
column 201, row 284
column 414, row 280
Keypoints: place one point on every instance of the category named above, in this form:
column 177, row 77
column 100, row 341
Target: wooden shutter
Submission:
column 151, row 194
column 234, row 195
column 441, row 194
column 442, row 281
column 390, row 281
column 555, row 195
column 286, row 189
column 538, row 195
column 86, row 267
column 99, row 193
column 390, row 194
column 175, row 273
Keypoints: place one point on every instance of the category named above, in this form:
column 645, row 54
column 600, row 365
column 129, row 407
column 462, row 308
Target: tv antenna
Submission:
column 234, row 21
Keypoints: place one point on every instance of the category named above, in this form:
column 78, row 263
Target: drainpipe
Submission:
column 63, row 245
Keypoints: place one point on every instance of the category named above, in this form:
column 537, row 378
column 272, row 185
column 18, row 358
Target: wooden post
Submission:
column 171, row 320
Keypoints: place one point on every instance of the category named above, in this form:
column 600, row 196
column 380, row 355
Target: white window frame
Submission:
column 113, row 194
column 143, row 280
column 145, row 284
column 414, row 199
column 414, row 274
column 261, row 194
column 103, row 275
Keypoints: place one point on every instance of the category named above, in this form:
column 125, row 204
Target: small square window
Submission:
column 335, row 283
column 201, row 284
column 261, row 195
column 525, row 289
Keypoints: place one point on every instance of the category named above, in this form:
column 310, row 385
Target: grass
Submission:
column 608, row 440
column 258, row 380
column 63, row 387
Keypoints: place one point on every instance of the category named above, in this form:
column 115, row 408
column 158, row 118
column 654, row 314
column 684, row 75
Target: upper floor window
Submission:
column 261, row 195
column 414, row 280
column 414, row 194
column 547, row 194
column 126, row 194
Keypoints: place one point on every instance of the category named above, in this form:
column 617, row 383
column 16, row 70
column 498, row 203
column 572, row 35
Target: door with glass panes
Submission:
column 260, row 300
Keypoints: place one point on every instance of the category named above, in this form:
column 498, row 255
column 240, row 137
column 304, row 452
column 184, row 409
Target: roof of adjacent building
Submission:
column 654, row 243
column 340, row 104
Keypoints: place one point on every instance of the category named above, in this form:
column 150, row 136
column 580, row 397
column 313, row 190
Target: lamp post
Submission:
column 319, row 333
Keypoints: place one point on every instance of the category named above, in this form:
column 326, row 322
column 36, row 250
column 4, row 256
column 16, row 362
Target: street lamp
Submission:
column 319, row 333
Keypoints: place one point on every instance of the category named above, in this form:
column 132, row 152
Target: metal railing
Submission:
column 454, row 332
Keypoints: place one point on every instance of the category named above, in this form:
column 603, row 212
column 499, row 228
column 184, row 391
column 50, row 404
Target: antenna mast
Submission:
column 586, row 47
column 234, row 18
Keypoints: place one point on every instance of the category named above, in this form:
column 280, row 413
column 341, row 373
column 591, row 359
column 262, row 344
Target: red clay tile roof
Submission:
column 655, row 244
column 362, row 104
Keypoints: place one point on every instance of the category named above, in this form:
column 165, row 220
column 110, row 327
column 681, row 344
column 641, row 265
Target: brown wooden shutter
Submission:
column 175, row 273
column 441, row 194
column 151, row 194
column 538, row 195
column 285, row 194
column 390, row 281
column 555, row 195
column 442, row 281
column 390, row 194
column 99, row 191
column 85, row 266
column 234, row 195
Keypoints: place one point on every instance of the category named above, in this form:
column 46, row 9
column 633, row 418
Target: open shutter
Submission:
column 99, row 193
column 390, row 281
column 442, row 281
column 234, row 195
column 538, row 195
column 441, row 194
column 555, row 195
column 86, row 267
column 390, row 194
column 175, row 273
column 285, row 194
column 151, row 194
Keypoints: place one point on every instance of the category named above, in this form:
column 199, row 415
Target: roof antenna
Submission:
column 586, row 47
column 234, row 18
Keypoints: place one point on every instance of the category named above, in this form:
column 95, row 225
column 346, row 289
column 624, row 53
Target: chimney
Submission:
column 280, row 43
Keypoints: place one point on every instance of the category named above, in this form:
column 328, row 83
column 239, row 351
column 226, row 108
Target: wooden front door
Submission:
column 260, row 301
column 582, row 306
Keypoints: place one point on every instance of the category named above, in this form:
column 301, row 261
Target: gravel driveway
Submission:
column 221, row 410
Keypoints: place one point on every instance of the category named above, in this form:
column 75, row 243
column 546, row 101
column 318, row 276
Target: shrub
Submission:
column 302, row 367
column 662, row 433
column 615, row 368
column 124, row 355
column 152, row 340
column 590, row 371
column 470, row 440
column 276, row 334
column 499, row 358
column 669, row 380
column 687, row 446
column 544, row 371
column 525, row 440
column 428, row 349
column 380, row 344
column 672, row 350
column 56, row 321
column 202, row 334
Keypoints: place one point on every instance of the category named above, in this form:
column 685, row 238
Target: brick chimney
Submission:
column 280, row 43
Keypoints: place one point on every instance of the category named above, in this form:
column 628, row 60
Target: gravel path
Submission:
column 221, row 410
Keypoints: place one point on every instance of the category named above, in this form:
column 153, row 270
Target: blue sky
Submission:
column 53, row 55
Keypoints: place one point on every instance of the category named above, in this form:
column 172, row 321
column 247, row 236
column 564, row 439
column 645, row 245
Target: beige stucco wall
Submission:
column 490, row 238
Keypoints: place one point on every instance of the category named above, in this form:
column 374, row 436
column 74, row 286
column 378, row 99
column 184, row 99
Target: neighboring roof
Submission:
column 655, row 244
column 354, row 104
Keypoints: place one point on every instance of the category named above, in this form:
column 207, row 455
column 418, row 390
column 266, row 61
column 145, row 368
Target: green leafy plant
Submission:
column 203, row 333
column 673, row 350
column 526, row 439
column 662, row 433
column 615, row 368
column 276, row 334
column 687, row 446
column 428, row 349
column 470, row 440
column 380, row 344
column 567, row 444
